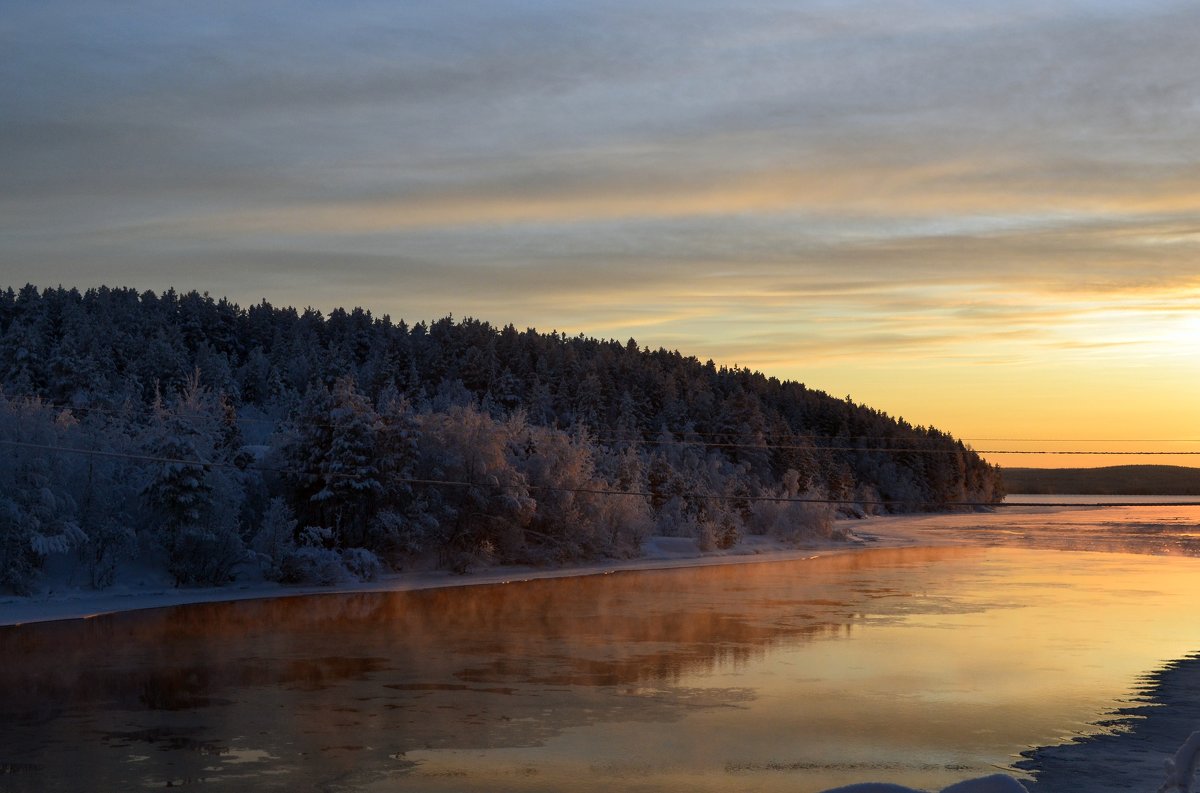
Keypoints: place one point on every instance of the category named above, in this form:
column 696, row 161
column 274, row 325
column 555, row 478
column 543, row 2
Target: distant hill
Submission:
column 207, row 438
column 1115, row 480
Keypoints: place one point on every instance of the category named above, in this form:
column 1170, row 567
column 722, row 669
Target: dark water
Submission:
column 919, row 666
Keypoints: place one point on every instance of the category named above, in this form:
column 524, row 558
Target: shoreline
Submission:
column 659, row 553
column 1130, row 751
column 1058, row 528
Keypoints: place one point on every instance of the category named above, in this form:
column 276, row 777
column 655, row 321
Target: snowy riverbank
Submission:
column 1130, row 756
column 1158, row 530
column 61, row 601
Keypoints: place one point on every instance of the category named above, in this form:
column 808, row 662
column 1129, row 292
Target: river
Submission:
column 919, row 665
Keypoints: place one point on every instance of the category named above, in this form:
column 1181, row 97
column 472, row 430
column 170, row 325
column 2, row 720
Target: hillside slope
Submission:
column 1117, row 480
column 322, row 445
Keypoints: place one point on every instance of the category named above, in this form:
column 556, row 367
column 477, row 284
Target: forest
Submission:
column 1112, row 480
column 212, row 441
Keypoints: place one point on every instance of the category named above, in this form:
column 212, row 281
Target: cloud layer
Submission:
column 793, row 186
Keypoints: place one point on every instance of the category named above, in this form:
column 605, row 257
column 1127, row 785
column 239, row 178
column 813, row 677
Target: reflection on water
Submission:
column 918, row 665
column 1084, row 500
column 1162, row 530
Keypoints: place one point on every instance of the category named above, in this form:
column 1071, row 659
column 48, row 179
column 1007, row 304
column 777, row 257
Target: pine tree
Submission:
column 349, row 476
column 275, row 539
column 38, row 515
column 399, row 525
column 192, row 494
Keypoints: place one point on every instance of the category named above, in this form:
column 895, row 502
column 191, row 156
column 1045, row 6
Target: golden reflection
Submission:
column 785, row 676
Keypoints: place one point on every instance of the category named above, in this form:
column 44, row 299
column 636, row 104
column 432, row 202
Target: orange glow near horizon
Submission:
column 818, row 191
column 1033, row 372
column 1079, row 407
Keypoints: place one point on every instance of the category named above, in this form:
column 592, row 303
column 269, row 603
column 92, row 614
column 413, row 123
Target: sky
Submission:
column 980, row 216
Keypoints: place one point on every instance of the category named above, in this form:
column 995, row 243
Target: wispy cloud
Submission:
column 786, row 185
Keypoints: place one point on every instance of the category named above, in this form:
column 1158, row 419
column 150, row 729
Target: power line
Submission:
column 1084, row 440
column 118, row 455
column 897, row 450
column 1060, row 451
column 900, row 449
column 448, row 482
column 581, row 490
column 408, row 480
column 686, row 434
column 1085, row 504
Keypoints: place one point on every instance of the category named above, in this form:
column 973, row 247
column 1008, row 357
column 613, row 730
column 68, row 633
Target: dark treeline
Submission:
column 1113, row 480
column 315, row 447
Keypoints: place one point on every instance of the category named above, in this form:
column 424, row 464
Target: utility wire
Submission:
column 686, row 435
column 818, row 447
column 1059, row 451
column 1085, row 440
column 580, row 490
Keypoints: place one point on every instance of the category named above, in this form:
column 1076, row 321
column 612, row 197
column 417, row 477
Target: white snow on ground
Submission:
column 61, row 600
column 1153, row 530
column 1131, row 756
column 995, row 783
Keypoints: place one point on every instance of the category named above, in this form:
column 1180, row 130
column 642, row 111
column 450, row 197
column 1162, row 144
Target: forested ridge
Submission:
column 215, row 440
column 1113, row 480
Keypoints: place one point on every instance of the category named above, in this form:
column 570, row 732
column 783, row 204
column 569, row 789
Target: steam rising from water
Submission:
column 922, row 664
column 1157, row 530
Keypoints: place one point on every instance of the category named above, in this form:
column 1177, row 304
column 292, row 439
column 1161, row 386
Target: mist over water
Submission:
column 916, row 665
column 1169, row 527
column 1085, row 500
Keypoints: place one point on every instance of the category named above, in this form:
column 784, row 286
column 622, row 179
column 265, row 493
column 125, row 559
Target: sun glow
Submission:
column 1183, row 333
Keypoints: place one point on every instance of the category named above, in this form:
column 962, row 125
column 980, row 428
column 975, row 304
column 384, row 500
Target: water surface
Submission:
column 1084, row 499
column 920, row 666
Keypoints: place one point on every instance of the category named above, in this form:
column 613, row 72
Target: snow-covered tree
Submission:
column 387, row 404
column 104, row 484
column 577, row 516
column 798, row 515
column 348, row 472
column 38, row 515
column 400, row 526
column 192, row 492
column 275, row 539
column 482, row 515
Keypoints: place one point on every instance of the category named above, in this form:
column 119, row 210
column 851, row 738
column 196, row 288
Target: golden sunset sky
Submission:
column 982, row 216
